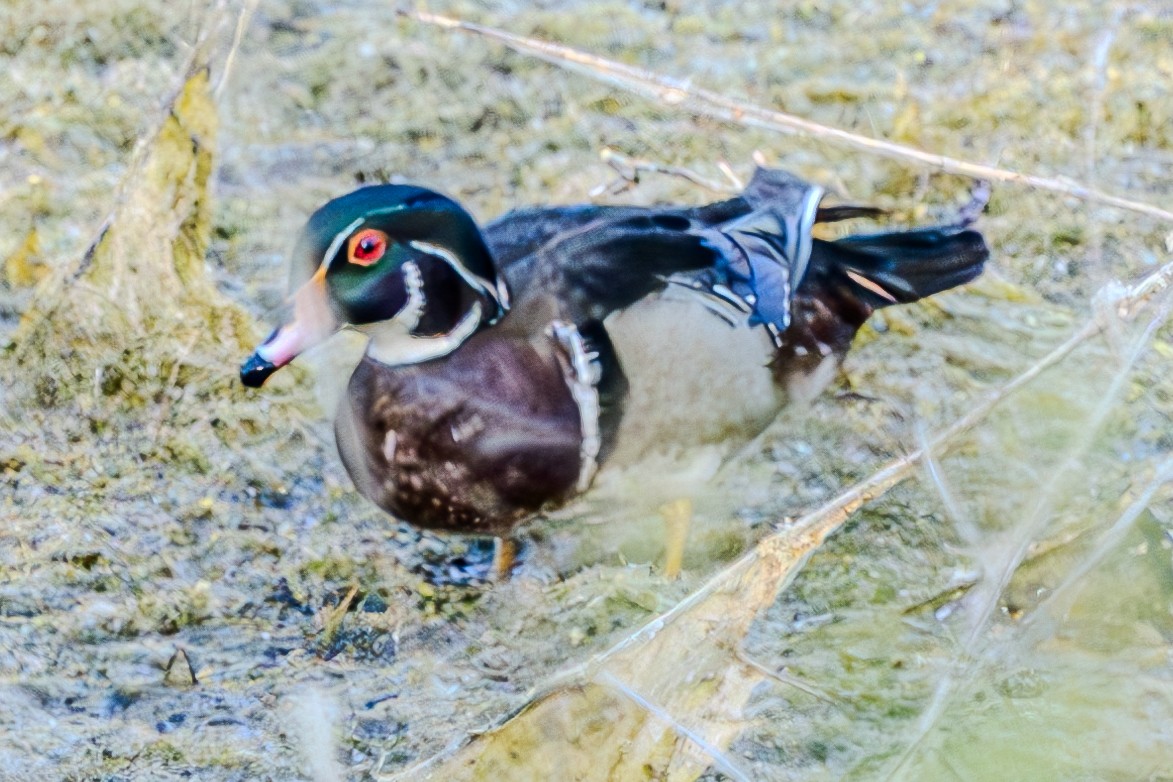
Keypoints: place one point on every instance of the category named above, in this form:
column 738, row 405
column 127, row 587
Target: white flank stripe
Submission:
column 582, row 374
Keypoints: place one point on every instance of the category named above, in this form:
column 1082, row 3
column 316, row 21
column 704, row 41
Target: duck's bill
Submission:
column 256, row 370
column 283, row 345
column 312, row 323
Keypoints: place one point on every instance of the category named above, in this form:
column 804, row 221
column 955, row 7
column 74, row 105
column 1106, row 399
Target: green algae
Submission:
column 155, row 505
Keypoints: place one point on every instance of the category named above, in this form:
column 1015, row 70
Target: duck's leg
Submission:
column 504, row 554
column 677, row 517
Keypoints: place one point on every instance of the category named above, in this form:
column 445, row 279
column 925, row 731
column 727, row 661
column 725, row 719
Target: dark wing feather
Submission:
column 518, row 235
column 764, row 253
column 903, row 266
column 599, row 260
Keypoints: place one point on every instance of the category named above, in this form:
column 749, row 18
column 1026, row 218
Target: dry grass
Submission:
column 157, row 508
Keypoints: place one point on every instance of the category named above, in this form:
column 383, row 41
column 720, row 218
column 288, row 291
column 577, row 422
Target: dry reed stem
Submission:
column 676, row 92
column 247, row 9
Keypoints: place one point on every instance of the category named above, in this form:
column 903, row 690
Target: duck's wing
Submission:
column 741, row 257
column 519, row 234
column 582, row 263
column 745, row 258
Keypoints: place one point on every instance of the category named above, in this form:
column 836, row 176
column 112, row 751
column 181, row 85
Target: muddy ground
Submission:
column 173, row 549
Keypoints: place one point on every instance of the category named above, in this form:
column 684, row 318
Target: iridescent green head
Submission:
column 404, row 264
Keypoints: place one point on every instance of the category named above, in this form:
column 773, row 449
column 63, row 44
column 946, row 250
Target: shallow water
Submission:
column 162, row 508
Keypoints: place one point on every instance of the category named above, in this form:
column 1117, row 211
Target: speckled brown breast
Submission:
column 472, row 443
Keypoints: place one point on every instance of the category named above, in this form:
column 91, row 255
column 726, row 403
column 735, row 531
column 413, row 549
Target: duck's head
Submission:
column 405, row 265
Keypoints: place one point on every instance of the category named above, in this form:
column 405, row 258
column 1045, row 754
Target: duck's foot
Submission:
column 677, row 517
column 504, row 555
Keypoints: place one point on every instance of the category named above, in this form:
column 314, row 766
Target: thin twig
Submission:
column 1099, row 62
column 785, row 678
column 629, row 169
column 734, row 179
column 676, row 92
column 242, row 20
column 961, row 521
column 1107, row 543
column 1095, row 113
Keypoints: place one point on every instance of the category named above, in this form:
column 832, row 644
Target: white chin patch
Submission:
column 393, row 344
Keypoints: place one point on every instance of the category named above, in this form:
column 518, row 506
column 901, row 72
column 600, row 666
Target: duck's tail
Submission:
column 901, row 267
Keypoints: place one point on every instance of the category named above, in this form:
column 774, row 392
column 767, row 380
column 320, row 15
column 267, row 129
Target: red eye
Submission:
column 366, row 247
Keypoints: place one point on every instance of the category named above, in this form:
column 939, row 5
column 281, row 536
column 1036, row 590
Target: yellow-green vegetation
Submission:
column 181, row 561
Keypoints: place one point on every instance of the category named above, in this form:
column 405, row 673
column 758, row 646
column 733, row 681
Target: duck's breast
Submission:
column 474, row 442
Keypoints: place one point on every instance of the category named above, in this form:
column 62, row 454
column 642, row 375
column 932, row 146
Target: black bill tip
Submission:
column 256, row 370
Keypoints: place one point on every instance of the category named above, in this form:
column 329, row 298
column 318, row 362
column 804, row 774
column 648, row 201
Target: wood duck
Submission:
column 506, row 366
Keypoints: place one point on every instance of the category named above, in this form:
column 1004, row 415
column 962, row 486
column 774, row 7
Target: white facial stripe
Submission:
column 409, row 316
column 339, row 238
column 476, row 282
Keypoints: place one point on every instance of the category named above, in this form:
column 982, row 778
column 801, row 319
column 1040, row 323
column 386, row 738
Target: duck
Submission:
column 507, row 366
